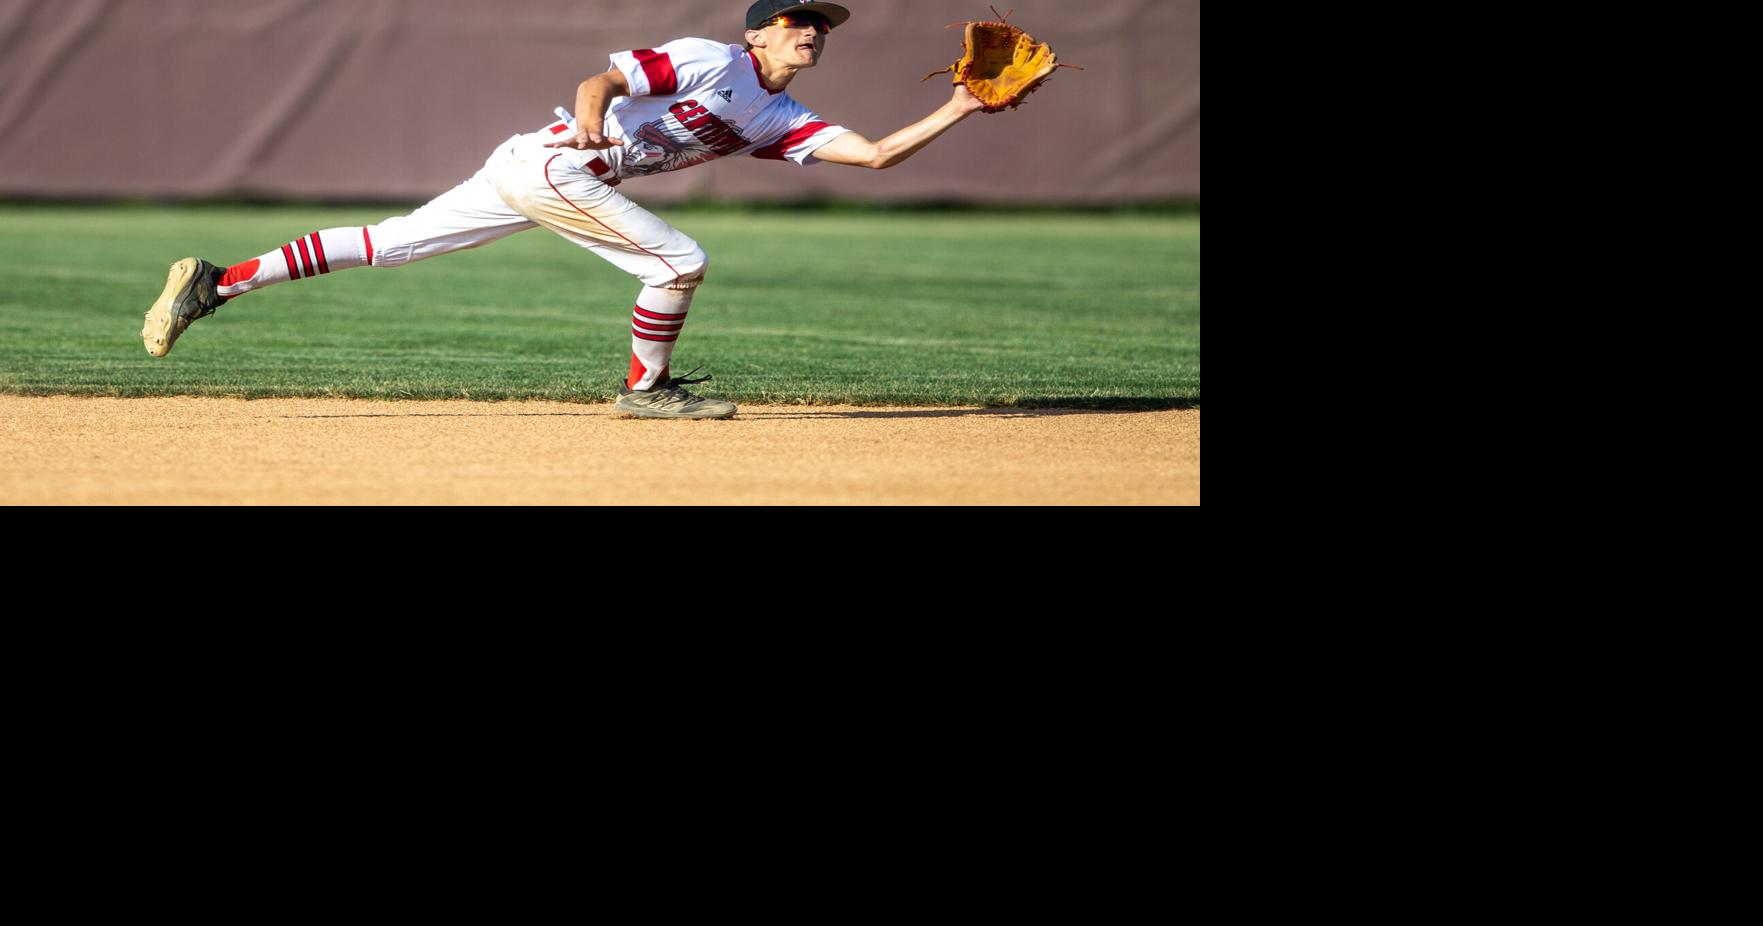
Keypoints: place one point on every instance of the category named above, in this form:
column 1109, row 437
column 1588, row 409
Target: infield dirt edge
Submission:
column 190, row 450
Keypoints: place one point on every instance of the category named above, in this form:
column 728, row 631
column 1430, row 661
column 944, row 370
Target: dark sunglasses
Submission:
column 798, row 20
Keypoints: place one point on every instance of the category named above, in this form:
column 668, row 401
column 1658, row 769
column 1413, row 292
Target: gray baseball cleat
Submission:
column 669, row 399
column 189, row 294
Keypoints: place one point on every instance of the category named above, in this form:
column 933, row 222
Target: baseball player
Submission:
column 655, row 109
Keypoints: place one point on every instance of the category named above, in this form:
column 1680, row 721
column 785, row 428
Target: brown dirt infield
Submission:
column 72, row 450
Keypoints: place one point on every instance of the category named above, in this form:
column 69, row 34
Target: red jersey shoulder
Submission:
column 681, row 63
column 795, row 133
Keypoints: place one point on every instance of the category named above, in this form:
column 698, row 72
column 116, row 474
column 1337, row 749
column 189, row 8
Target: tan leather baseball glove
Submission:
column 1001, row 64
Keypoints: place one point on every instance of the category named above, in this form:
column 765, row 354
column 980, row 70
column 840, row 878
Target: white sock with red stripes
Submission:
column 309, row 256
column 656, row 321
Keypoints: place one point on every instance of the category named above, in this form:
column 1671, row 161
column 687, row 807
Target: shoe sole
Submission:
column 637, row 412
column 156, row 334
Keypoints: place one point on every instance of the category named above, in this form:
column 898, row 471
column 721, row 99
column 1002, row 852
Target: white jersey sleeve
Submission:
column 802, row 133
column 680, row 66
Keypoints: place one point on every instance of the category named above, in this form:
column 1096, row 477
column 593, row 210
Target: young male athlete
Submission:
column 667, row 108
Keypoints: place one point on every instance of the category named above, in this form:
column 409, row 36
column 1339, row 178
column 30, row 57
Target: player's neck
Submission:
column 774, row 76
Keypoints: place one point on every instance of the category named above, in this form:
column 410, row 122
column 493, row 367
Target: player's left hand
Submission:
column 966, row 101
column 586, row 140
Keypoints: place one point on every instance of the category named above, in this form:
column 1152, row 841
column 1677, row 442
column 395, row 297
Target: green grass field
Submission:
column 1083, row 309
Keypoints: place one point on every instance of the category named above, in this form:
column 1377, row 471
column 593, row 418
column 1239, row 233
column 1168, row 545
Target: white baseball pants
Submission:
column 522, row 185
column 526, row 185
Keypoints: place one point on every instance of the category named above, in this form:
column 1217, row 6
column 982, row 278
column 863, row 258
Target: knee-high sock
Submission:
column 307, row 256
column 655, row 326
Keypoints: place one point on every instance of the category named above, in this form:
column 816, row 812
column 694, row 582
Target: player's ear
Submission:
column 755, row 38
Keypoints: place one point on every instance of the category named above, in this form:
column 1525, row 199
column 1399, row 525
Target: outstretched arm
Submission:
column 857, row 151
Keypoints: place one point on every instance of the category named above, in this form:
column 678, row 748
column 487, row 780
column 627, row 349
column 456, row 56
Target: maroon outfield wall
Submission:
column 401, row 99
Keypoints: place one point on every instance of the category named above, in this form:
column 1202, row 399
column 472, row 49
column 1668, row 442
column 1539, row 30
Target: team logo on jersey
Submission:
column 690, row 134
column 727, row 95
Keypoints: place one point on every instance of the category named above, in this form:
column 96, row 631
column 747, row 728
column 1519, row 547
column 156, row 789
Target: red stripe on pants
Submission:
column 677, row 276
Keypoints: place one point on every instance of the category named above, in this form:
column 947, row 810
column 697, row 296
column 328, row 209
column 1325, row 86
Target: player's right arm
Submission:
column 591, row 99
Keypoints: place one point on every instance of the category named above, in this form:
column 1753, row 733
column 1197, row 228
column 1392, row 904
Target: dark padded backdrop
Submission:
column 401, row 99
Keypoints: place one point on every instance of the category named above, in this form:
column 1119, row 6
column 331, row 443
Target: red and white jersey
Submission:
column 696, row 100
